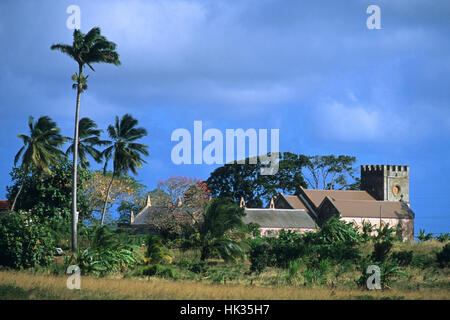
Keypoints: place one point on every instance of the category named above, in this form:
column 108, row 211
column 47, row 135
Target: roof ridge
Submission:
column 334, row 190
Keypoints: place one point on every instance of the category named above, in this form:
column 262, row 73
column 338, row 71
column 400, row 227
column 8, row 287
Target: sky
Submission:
column 312, row 69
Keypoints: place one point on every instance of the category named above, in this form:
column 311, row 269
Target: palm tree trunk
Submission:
column 15, row 199
column 75, row 167
column 106, row 199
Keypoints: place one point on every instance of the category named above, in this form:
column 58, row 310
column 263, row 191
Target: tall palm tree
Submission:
column 41, row 147
column 89, row 139
column 86, row 49
column 124, row 151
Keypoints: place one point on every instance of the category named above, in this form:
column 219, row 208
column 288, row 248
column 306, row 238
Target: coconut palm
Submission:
column 86, row 49
column 124, row 151
column 89, row 139
column 223, row 233
column 41, row 147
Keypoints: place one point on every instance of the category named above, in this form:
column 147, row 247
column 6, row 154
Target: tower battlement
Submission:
column 384, row 168
column 386, row 182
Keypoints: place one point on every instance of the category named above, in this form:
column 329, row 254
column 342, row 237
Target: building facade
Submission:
column 383, row 199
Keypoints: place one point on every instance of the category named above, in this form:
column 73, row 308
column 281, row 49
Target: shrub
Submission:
column 443, row 257
column 293, row 268
column 335, row 230
column 105, row 253
column 404, row 258
column 442, row 237
column 24, row 243
column 159, row 270
column 339, row 252
column 198, row 266
column 259, row 255
column 316, row 271
column 385, row 233
column 381, row 251
column 157, row 252
column 218, row 277
column 422, row 261
column 288, row 246
column 389, row 273
column 423, row 236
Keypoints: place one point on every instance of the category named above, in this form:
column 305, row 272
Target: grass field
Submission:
column 223, row 281
column 21, row 285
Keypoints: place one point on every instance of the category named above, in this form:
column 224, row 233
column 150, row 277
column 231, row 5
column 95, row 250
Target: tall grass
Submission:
column 21, row 285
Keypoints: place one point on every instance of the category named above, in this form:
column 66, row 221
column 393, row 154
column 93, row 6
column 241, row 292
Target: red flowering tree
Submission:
column 176, row 219
column 193, row 190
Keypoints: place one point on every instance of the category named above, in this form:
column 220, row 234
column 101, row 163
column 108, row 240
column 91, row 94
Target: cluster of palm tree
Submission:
column 41, row 148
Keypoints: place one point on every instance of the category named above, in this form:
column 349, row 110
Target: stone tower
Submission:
column 386, row 182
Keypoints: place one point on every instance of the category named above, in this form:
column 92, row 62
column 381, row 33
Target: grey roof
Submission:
column 148, row 214
column 279, row 218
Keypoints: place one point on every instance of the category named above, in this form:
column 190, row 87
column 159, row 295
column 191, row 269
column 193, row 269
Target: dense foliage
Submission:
column 222, row 232
column 49, row 195
column 24, row 243
column 105, row 252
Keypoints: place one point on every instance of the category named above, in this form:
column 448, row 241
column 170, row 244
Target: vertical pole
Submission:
column 380, row 216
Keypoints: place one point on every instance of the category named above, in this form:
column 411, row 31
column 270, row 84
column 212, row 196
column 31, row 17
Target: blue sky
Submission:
column 309, row 68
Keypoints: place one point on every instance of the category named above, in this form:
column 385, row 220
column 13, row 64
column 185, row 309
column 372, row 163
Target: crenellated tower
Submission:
column 386, row 182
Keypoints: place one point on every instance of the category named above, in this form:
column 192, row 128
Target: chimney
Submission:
column 272, row 204
column 242, row 203
column 131, row 217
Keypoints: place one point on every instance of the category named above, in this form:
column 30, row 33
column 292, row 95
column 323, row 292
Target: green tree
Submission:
column 222, row 232
column 237, row 180
column 125, row 152
column 89, row 139
column 330, row 172
column 48, row 197
column 24, row 243
column 40, row 149
column 86, row 49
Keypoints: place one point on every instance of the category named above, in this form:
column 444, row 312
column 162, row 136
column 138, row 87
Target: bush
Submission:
column 259, row 255
column 316, row 271
column 335, row 230
column 338, row 252
column 157, row 252
column 381, row 251
column 442, row 237
column 198, row 266
column 105, row 253
column 293, row 268
column 158, row 270
column 24, row 243
column 423, row 236
column 288, row 246
column 404, row 258
column 422, row 261
column 443, row 257
column 389, row 273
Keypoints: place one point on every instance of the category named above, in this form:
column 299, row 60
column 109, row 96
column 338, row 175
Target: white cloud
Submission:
column 356, row 123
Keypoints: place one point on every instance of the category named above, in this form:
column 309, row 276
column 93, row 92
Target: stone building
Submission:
column 383, row 199
column 150, row 218
column 272, row 220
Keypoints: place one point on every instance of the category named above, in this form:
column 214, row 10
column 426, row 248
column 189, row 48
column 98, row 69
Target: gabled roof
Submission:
column 371, row 209
column 317, row 196
column 279, row 218
column 294, row 202
column 149, row 213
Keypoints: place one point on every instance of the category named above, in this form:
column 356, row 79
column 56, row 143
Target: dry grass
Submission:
column 34, row 286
